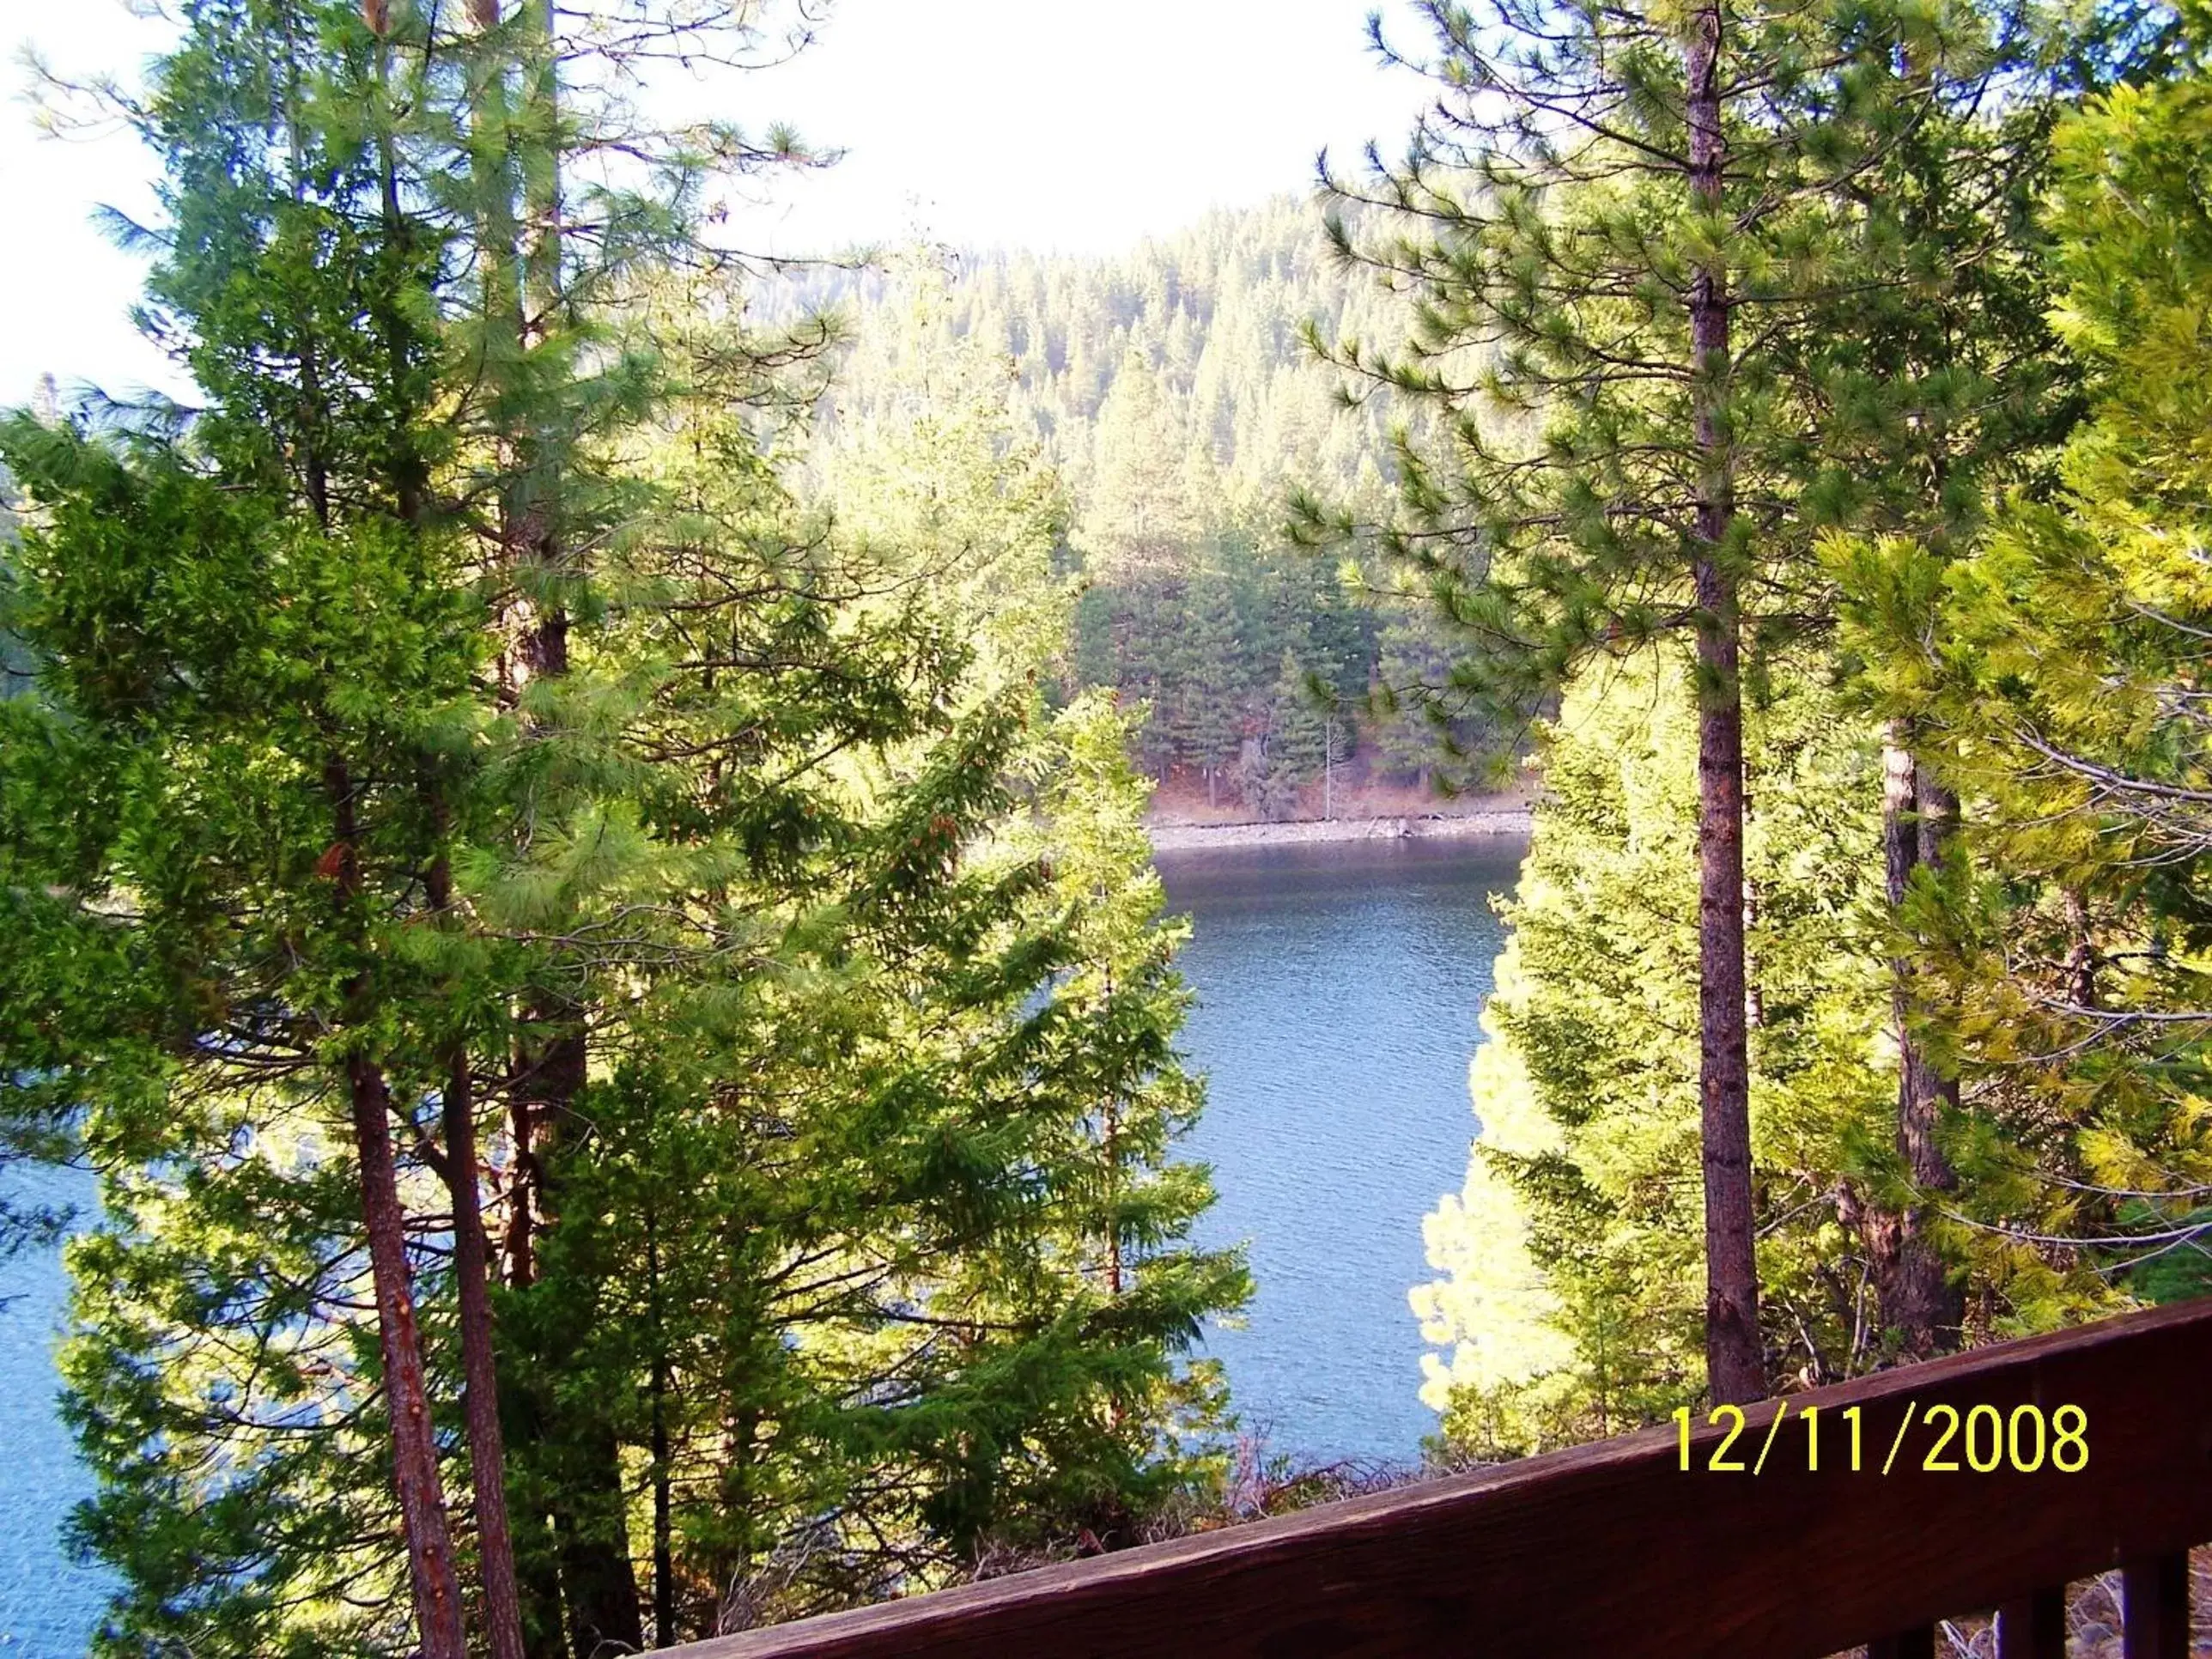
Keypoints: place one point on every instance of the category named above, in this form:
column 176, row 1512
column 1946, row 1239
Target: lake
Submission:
column 1338, row 987
column 48, row 1604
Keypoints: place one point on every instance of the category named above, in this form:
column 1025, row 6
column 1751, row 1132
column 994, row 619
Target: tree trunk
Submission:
column 578, row 1454
column 664, row 1551
column 1918, row 1303
column 537, row 1554
column 576, row 1461
column 431, row 1575
column 2081, row 958
column 1736, row 1369
column 598, row 1582
column 414, row 1452
column 487, row 1444
column 1111, row 1139
column 472, row 1286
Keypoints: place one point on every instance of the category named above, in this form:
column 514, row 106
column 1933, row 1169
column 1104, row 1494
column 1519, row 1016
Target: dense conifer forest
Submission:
column 573, row 847
column 1175, row 398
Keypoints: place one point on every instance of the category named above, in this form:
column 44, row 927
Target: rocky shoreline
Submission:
column 1501, row 821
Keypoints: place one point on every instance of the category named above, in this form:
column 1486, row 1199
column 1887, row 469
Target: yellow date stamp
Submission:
column 1981, row 1440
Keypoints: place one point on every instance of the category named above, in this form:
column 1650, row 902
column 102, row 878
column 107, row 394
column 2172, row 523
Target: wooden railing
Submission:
column 1613, row 1552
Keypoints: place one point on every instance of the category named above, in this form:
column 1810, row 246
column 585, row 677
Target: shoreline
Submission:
column 1502, row 821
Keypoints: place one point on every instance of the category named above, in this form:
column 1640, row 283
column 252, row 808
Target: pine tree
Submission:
column 464, row 781
column 228, row 605
column 931, row 469
column 2055, row 663
column 1211, row 683
column 1138, row 519
column 1216, row 409
column 1422, row 729
column 1604, row 196
column 1570, row 1298
column 1293, row 747
column 1946, row 387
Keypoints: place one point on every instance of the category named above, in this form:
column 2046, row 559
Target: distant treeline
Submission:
column 1171, row 393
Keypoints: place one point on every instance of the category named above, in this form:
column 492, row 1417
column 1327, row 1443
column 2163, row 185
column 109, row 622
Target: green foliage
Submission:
column 1291, row 747
column 1548, row 511
column 465, row 699
column 1692, row 289
column 537, row 680
column 1173, row 392
column 1572, row 1298
column 2060, row 662
column 201, row 976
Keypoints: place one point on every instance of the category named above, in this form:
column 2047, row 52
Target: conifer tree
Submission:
column 1940, row 386
column 215, row 611
column 1600, row 201
column 384, row 860
column 1421, row 729
column 1293, row 746
column 1570, row 1296
column 1210, row 686
column 1139, row 520
column 2057, row 663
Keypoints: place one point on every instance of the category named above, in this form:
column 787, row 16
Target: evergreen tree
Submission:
column 1210, row 683
column 1422, row 731
column 218, row 612
column 1210, row 409
column 1138, row 519
column 2056, row 665
column 1601, row 197
column 1293, row 745
column 1942, row 387
column 1571, row 1303
column 475, row 824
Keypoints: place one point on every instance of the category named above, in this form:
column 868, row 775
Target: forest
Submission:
column 572, row 830
column 1174, row 398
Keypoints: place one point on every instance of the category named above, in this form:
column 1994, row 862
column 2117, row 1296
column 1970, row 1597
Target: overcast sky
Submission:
column 1046, row 124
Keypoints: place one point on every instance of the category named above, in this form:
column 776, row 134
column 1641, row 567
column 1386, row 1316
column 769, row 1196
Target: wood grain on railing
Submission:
column 1611, row 1550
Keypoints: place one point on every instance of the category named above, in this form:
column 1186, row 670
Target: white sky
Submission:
column 1045, row 123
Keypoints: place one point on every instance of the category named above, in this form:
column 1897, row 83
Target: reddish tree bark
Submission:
column 414, row 1453
column 480, row 1365
column 480, row 1400
column 414, row 1478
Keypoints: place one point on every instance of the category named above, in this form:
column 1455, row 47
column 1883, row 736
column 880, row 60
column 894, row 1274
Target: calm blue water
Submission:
column 48, row 1603
column 1338, row 987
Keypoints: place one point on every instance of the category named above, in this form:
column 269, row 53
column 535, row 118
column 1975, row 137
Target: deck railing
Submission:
column 1613, row 1551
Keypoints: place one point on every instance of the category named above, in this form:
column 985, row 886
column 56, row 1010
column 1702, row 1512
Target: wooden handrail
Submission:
column 1611, row 1550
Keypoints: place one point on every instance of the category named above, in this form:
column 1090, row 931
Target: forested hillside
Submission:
column 1174, row 395
column 570, row 856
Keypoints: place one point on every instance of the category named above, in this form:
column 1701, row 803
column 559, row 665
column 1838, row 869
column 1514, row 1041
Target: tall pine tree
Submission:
column 1624, row 225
